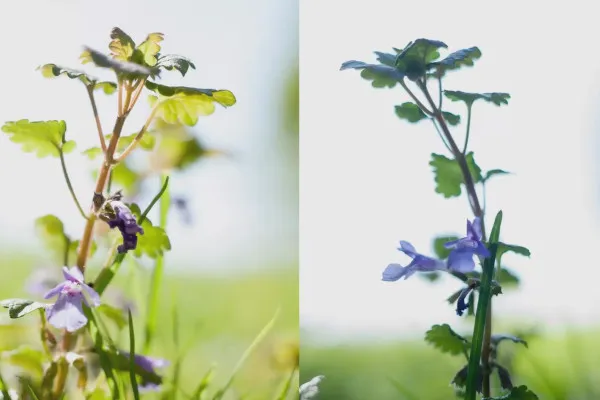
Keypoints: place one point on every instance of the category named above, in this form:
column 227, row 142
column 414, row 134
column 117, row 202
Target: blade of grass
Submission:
column 180, row 356
column 482, row 307
column 134, row 385
column 157, row 273
column 204, row 383
column 283, row 394
column 261, row 335
column 402, row 390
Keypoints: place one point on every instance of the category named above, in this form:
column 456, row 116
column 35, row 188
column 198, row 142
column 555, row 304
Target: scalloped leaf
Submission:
column 451, row 119
column 173, row 61
column 154, row 241
column 122, row 45
column 92, row 153
column 18, row 308
column 506, row 278
column 147, row 141
column 381, row 76
column 53, row 71
column 458, row 59
column 410, row 112
column 51, row 231
column 448, row 175
column 150, row 48
column 184, row 104
column 446, row 340
column 44, row 138
column 126, row 69
column 494, row 172
column 413, row 60
column 513, row 248
column 469, row 98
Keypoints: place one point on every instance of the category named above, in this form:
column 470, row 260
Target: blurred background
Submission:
column 234, row 223
column 366, row 184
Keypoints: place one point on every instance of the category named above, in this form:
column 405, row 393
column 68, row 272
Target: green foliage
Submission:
column 438, row 246
column 44, row 138
column 123, row 69
column 456, row 60
column 203, row 384
column 53, row 70
column 497, row 338
column 410, row 112
column 184, row 104
column 51, row 232
column 125, row 177
column 504, row 248
column 507, row 278
column 448, row 175
column 381, row 75
column 26, row 358
column 92, row 153
column 18, row 308
column 121, row 45
column 494, row 172
column 451, row 119
column 469, row 98
column 154, row 241
column 446, row 340
column 516, row 393
column 147, row 141
column 415, row 58
column 114, row 314
column 172, row 61
column 149, row 48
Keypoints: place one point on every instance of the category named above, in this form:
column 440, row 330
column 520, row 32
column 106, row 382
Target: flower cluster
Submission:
column 123, row 219
column 459, row 260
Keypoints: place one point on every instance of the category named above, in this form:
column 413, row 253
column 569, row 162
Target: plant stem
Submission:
column 90, row 91
column 88, row 231
column 416, row 99
column 138, row 137
column 478, row 211
column 468, row 128
column 68, row 180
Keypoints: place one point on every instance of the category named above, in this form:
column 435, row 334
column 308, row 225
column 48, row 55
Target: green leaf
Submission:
column 382, row 75
column 446, row 340
column 92, row 153
column 438, row 246
column 184, row 104
column 18, row 308
column 44, row 138
column 120, row 362
column 122, row 45
column 27, row 358
column 517, row 393
column 413, row 60
column 132, row 363
column 497, row 338
column 53, row 70
column 430, row 276
column 172, row 61
column 74, row 246
column 410, row 112
column 507, row 278
column 513, row 248
column 147, row 141
column 469, row 98
column 448, row 175
column 150, row 47
column 68, row 146
column 114, row 314
column 124, row 69
column 125, row 177
column 203, row 384
column 153, row 242
column 98, row 394
column 494, row 172
column 456, row 60
column 450, row 118
column 51, row 231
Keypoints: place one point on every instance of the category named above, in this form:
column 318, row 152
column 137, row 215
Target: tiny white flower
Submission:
column 310, row 389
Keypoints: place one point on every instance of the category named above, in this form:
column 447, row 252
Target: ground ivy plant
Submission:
column 77, row 352
column 419, row 70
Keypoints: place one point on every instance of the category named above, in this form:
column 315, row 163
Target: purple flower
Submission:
column 67, row 311
column 148, row 364
column 463, row 250
column 419, row 262
column 127, row 224
column 461, row 303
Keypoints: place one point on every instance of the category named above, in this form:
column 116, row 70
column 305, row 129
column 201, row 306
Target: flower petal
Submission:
column 55, row 290
column 476, row 228
column 67, row 313
column 94, row 296
column 452, row 244
column 482, row 250
column 461, row 260
column 73, row 274
column 425, row 264
column 407, row 248
column 393, row 272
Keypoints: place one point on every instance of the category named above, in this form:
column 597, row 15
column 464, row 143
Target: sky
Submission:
column 244, row 218
column 366, row 183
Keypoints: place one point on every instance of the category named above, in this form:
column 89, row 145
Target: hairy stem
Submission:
column 68, row 180
column 90, row 91
column 478, row 211
column 88, row 231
